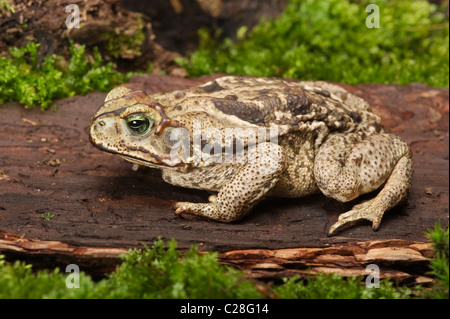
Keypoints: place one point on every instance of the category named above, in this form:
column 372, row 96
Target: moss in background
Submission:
column 126, row 44
column 329, row 40
column 6, row 6
column 25, row 80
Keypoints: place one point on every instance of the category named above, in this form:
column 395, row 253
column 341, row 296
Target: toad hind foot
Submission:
column 395, row 190
column 365, row 211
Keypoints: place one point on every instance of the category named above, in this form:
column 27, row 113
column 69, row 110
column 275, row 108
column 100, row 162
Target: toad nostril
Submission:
column 101, row 123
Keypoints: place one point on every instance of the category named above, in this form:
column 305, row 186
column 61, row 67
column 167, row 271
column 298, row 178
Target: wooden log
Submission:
column 402, row 261
column 48, row 165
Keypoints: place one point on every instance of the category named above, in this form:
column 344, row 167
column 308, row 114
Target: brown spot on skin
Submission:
column 299, row 104
column 323, row 93
column 212, row 148
column 245, row 111
column 355, row 116
column 213, row 87
column 231, row 97
column 179, row 94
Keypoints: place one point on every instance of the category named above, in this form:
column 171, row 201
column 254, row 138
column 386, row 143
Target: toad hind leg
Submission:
column 347, row 166
column 235, row 199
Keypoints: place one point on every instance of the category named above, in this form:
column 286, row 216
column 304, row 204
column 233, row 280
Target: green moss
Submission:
column 25, row 80
column 125, row 44
column 156, row 272
column 6, row 6
column 47, row 216
column 333, row 286
column 17, row 280
column 329, row 40
column 160, row 272
column 439, row 265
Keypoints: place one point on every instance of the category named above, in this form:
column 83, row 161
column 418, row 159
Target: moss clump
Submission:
column 439, row 265
column 6, row 6
column 333, row 286
column 24, row 79
column 126, row 44
column 329, row 40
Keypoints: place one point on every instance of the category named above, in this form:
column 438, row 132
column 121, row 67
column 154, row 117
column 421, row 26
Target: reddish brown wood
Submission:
column 48, row 165
column 403, row 261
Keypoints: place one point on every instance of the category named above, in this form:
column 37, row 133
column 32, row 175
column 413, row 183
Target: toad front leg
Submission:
column 349, row 165
column 260, row 172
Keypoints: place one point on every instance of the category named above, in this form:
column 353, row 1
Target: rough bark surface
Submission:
column 101, row 207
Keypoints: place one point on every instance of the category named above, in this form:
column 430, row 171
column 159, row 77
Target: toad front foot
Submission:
column 198, row 209
column 236, row 198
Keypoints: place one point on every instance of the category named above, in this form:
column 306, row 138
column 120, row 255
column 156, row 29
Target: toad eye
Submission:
column 139, row 124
